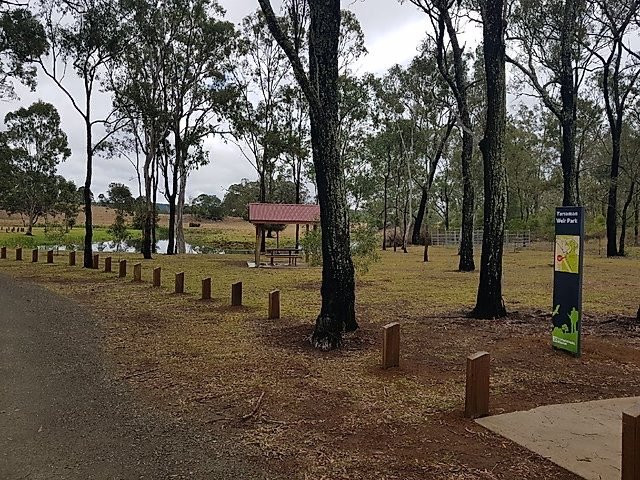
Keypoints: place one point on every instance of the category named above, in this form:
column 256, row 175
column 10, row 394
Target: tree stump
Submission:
column 236, row 294
column 34, row 255
column 122, row 270
column 631, row 444
column 3, row 253
column 157, row 276
column 274, row 305
column 206, row 288
column 50, row 256
column 391, row 345
column 72, row 258
column 107, row 265
column 96, row 261
column 19, row 254
column 476, row 403
column 137, row 272
column 179, row 282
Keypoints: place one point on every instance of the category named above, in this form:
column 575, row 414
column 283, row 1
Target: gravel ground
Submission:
column 64, row 416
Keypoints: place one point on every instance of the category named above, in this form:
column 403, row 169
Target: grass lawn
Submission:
column 310, row 415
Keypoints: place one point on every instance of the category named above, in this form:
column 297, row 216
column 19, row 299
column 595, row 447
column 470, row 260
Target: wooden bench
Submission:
column 292, row 257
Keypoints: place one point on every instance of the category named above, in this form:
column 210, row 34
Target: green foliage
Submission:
column 364, row 247
column 30, row 150
column 118, row 229
column 207, row 207
column 119, row 198
column 22, row 37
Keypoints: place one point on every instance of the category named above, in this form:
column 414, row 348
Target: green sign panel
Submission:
column 567, row 279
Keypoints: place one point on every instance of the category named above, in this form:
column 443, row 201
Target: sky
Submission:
column 393, row 32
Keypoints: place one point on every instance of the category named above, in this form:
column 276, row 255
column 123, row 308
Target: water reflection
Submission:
column 135, row 246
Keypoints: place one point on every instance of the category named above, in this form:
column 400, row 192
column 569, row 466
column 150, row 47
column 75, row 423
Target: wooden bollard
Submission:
column 631, row 444
column 476, row 402
column 49, row 256
column 274, row 305
column 107, row 265
column 236, row 294
column 137, row 272
column 19, row 254
column 72, row 258
column 391, row 345
column 3, row 253
column 206, row 288
column 96, row 261
column 122, row 272
column 34, row 255
column 157, row 276
column 179, row 282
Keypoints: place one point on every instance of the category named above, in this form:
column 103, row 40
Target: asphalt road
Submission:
column 64, row 416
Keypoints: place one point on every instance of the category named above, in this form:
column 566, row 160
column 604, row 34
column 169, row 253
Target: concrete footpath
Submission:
column 585, row 438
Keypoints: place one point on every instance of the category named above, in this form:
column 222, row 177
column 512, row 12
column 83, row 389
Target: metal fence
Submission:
column 452, row 237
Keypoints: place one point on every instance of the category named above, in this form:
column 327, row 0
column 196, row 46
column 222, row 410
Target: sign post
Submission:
column 567, row 279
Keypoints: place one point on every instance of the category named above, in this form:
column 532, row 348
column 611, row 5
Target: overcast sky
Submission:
column 393, row 33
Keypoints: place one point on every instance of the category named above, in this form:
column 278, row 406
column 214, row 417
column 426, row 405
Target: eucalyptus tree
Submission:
column 33, row 145
column 446, row 17
column 138, row 81
column 198, row 94
column 320, row 86
column 548, row 38
column 86, row 36
column 612, row 26
column 22, row 37
column 489, row 302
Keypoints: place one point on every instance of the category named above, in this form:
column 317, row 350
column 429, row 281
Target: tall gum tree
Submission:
column 489, row 303
column 444, row 16
column 86, row 35
column 320, row 86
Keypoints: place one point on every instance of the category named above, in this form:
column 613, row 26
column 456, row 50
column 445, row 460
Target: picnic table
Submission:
column 292, row 254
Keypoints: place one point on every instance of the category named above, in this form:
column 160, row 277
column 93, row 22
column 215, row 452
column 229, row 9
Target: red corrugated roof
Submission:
column 283, row 213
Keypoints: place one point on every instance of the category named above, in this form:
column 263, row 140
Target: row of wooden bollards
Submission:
column 179, row 287
column 476, row 403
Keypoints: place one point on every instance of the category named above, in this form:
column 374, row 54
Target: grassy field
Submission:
column 311, row 415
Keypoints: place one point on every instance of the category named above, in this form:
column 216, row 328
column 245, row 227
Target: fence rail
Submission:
column 452, row 237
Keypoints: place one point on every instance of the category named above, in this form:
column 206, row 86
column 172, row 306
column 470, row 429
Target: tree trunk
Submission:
column 338, row 283
column 612, row 205
column 623, row 226
column 385, row 214
column 568, row 113
column 489, row 302
column 180, row 241
column 459, row 87
column 171, row 244
column 88, row 215
column 636, row 219
column 417, row 225
column 148, row 210
column 337, row 313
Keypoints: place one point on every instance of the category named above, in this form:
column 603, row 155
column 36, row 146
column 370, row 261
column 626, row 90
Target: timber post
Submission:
column 122, row 271
column 19, row 254
column 274, row 305
column 72, row 258
column 96, row 261
column 107, row 265
column 137, row 272
column 206, row 288
column 157, row 275
column 236, row 294
column 49, row 256
column 179, row 282
column 391, row 345
column 3, row 253
column 631, row 444
column 34, row 255
column 477, row 388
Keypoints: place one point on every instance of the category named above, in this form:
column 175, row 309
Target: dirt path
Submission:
column 64, row 416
